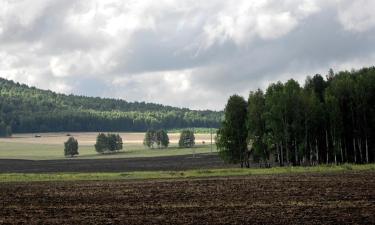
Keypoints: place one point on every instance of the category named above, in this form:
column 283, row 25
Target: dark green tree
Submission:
column 256, row 125
column 231, row 139
column 149, row 139
column 163, row 138
column 101, row 144
column 71, row 147
column 187, row 139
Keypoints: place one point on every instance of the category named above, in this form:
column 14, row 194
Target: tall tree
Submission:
column 256, row 125
column 231, row 138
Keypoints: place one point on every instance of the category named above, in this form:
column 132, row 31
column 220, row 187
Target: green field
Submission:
column 30, row 177
column 31, row 151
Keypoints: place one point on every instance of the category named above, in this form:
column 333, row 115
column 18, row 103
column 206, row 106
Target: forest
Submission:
column 327, row 120
column 28, row 109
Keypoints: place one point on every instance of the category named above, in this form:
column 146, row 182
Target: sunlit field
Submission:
column 51, row 146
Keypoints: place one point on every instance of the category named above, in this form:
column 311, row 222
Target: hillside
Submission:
column 28, row 109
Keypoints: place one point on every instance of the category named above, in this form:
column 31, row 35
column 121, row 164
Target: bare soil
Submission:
column 336, row 198
column 183, row 162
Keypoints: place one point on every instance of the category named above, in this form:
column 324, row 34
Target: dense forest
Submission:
column 28, row 109
column 328, row 120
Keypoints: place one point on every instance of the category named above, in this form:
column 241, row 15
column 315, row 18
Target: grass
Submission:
column 14, row 150
column 31, row 177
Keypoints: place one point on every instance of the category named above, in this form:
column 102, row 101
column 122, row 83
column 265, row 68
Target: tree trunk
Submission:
column 342, row 156
column 295, row 152
column 346, row 151
column 355, row 151
column 282, row 154
column 327, row 146
column 366, row 150
column 287, row 154
column 278, row 154
column 317, row 150
column 310, row 153
column 359, row 142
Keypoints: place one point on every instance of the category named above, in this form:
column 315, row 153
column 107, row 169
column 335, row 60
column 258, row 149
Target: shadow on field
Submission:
column 184, row 162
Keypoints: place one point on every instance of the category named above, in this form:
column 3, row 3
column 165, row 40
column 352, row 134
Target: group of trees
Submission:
column 328, row 120
column 161, row 140
column 108, row 143
column 26, row 109
column 156, row 137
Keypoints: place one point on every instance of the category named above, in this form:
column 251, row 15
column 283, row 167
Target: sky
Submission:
column 184, row 53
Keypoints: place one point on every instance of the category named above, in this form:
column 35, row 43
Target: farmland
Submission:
column 49, row 146
column 318, row 198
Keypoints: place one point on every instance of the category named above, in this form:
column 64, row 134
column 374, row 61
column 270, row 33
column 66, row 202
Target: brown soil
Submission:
column 181, row 162
column 340, row 198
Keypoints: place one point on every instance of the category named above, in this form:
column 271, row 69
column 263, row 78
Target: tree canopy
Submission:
column 71, row 147
column 108, row 143
column 231, row 137
column 328, row 120
column 159, row 138
column 187, row 139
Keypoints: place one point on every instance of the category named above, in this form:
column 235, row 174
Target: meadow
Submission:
column 50, row 146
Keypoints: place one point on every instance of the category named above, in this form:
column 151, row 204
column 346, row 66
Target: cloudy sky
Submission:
column 184, row 53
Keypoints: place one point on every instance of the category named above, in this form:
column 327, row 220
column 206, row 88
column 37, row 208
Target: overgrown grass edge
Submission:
column 199, row 173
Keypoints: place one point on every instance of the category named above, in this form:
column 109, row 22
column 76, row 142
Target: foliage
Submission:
column 27, row 109
column 231, row 137
column 159, row 137
column 5, row 130
column 187, row 139
column 326, row 121
column 108, row 143
column 71, row 147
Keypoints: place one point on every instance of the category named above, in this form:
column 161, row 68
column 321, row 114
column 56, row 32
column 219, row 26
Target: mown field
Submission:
column 49, row 146
column 314, row 198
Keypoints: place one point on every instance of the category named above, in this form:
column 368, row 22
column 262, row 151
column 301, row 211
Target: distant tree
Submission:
column 159, row 138
column 101, row 145
column 187, row 139
column 149, row 139
column 119, row 143
column 231, row 139
column 71, row 147
column 109, row 142
column 163, row 137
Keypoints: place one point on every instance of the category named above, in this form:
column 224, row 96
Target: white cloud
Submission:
column 357, row 15
column 180, row 52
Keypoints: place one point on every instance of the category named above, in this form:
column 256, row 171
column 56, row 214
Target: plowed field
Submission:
column 336, row 198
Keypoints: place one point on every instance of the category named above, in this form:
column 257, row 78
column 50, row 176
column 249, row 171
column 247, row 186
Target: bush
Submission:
column 160, row 138
column 187, row 139
column 71, row 147
column 108, row 143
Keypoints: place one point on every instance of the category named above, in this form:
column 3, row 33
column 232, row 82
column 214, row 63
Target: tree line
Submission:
column 111, row 143
column 160, row 139
column 329, row 120
column 26, row 109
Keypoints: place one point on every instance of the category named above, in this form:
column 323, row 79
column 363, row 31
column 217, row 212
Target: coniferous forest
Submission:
column 329, row 119
column 28, row 109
